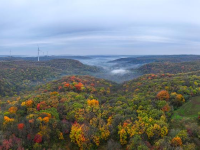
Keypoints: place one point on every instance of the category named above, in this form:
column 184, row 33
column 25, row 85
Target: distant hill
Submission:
column 158, row 58
column 42, row 58
column 20, row 74
column 170, row 67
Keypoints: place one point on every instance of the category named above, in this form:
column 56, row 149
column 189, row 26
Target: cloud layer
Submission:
column 83, row 27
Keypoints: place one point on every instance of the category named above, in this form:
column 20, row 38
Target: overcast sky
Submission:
column 88, row 27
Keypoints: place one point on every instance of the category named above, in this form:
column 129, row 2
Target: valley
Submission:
column 150, row 102
column 99, row 75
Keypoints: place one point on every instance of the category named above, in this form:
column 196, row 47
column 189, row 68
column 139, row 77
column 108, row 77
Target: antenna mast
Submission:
column 10, row 53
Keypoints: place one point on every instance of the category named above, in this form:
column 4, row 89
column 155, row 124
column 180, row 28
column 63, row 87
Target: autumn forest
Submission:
column 62, row 103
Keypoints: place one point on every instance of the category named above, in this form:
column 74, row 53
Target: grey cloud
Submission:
column 100, row 27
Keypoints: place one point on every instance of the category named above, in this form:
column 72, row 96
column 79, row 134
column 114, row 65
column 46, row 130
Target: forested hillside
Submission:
column 19, row 76
column 83, row 112
column 48, row 117
column 170, row 67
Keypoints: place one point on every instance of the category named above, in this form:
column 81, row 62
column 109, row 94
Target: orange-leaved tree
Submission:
column 12, row 110
column 79, row 86
column 176, row 141
column 93, row 102
column 163, row 95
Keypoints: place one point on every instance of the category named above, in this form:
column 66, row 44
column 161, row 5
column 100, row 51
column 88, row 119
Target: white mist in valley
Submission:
column 120, row 71
column 114, row 71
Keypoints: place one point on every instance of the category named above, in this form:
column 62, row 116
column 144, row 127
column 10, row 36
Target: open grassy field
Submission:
column 189, row 109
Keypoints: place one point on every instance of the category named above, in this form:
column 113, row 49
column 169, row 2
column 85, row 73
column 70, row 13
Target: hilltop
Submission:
column 92, row 112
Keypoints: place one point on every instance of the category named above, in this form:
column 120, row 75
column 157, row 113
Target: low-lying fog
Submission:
column 118, row 71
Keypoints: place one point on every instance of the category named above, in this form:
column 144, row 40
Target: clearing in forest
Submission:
column 189, row 109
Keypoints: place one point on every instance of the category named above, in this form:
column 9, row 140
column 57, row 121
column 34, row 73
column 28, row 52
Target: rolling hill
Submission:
column 84, row 112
